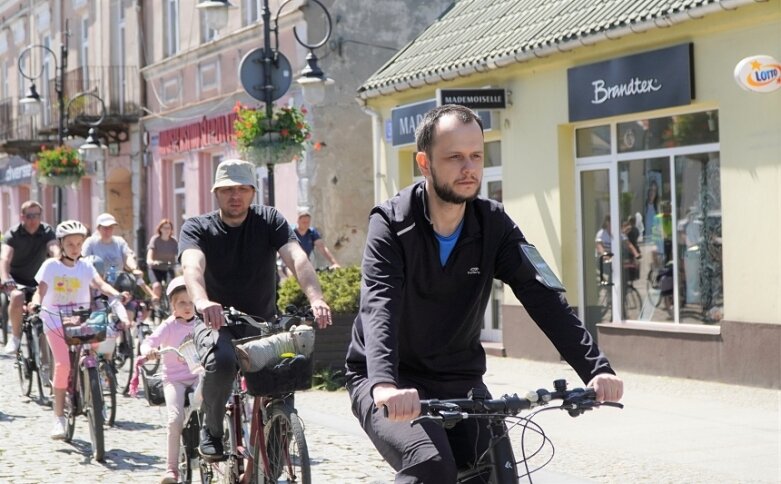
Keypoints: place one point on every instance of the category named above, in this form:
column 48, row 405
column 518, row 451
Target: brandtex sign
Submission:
column 473, row 98
column 641, row 82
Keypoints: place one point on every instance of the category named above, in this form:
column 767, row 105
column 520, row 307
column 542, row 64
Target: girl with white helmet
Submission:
column 64, row 285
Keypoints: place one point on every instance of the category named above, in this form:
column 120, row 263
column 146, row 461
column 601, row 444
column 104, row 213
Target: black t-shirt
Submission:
column 240, row 261
column 30, row 251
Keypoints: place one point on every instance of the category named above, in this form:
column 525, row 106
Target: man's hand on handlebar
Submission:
column 321, row 312
column 211, row 312
column 403, row 404
column 8, row 285
column 609, row 388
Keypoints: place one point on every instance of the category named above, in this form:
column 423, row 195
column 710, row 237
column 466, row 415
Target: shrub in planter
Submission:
column 341, row 290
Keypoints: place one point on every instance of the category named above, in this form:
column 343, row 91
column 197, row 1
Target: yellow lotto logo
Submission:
column 758, row 73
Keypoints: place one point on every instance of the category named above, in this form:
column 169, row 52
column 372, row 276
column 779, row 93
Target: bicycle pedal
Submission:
column 213, row 458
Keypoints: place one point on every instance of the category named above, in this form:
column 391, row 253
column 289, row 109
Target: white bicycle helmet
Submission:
column 70, row 227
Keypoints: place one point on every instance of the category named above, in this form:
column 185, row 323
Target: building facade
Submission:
column 75, row 46
column 621, row 124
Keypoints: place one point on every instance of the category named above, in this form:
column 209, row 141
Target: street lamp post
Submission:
column 32, row 100
column 269, row 66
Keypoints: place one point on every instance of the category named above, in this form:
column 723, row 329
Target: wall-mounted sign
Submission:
column 405, row 119
column 473, row 98
column 199, row 135
column 758, row 73
column 635, row 83
column 18, row 172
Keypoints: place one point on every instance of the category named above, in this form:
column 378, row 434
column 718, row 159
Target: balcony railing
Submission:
column 116, row 85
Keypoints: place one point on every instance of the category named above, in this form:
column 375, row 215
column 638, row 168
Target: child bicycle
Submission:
column 84, row 396
column 497, row 465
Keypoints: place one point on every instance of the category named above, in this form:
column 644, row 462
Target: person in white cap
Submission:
column 228, row 259
column 310, row 239
column 111, row 248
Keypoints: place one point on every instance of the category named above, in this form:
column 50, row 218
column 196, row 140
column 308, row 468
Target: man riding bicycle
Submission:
column 228, row 258
column 431, row 256
column 24, row 248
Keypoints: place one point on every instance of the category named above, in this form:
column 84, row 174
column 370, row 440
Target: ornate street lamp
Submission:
column 32, row 101
column 265, row 72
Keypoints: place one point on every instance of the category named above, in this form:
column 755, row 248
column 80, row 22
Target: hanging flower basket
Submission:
column 263, row 141
column 59, row 166
column 270, row 149
column 60, row 180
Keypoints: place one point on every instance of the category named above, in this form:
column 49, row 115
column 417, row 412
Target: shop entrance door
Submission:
column 598, row 288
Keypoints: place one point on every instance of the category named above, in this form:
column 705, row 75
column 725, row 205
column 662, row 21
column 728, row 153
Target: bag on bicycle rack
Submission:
column 277, row 363
column 153, row 388
column 93, row 330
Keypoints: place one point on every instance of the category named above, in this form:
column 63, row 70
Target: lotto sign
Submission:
column 758, row 73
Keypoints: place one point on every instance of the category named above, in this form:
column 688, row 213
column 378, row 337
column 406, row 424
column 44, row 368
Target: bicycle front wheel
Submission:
column 24, row 360
column 108, row 387
column 41, row 365
column 286, row 449
column 93, row 400
column 4, row 315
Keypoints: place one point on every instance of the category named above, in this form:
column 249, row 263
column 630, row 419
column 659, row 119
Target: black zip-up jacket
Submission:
column 419, row 320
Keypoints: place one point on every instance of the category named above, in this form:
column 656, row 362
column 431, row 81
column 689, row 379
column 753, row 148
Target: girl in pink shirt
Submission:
column 176, row 374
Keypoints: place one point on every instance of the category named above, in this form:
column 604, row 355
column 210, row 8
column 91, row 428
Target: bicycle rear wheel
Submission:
column 108, row 386
column 633, row 303
column 93, row 403
column 286, row 449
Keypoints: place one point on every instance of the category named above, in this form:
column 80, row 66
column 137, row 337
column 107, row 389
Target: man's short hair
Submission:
column 424, row 133
column 31, row 203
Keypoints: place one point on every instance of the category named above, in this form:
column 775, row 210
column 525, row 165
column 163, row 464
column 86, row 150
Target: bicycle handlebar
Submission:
column 293, row 316
column 449, row 412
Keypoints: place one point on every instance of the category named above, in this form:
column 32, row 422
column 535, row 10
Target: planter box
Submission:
column 331, row 343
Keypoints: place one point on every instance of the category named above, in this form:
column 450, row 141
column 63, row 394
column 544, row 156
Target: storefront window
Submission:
column 668, row 132
column 668, row 249
column 593, row 141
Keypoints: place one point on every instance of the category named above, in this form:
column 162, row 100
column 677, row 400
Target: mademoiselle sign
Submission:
column 635, row 83
column 758, row 73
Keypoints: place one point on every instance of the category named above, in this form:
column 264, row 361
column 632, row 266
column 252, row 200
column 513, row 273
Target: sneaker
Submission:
column 210, row 447
column 58, row 429
column 13, row 345
column 170, row 477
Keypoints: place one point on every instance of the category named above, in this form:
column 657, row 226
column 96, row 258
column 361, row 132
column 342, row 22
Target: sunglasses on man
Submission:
column 32, row 216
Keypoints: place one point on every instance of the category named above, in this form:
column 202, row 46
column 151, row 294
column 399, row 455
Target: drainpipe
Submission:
column 377, row 135
column 143, row 172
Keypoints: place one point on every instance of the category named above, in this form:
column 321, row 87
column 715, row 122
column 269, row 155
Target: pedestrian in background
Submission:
column 310, row 239
column 161, row 256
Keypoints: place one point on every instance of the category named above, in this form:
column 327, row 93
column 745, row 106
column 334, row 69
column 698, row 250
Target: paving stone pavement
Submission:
column 671, row 431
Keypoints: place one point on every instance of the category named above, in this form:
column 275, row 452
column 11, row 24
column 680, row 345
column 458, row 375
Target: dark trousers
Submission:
column 426, row 452
column 219, row 360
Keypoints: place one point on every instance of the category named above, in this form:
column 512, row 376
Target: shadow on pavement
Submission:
column 6, row 417
column 118, row 459
column 127, row 425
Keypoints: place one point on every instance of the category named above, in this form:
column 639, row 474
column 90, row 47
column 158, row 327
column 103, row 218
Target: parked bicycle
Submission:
column 631, row 301
column 497, row 465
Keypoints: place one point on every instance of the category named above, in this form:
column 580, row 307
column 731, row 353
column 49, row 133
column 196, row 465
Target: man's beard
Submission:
column 446, row 193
